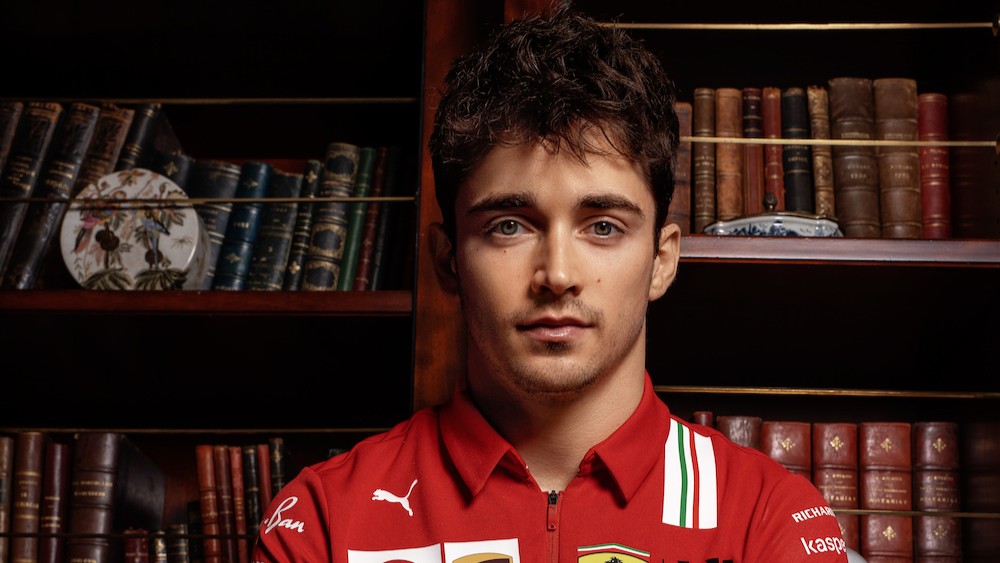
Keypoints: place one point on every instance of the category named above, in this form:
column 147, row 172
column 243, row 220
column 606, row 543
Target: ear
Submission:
column 443, row 255
column 665, row 264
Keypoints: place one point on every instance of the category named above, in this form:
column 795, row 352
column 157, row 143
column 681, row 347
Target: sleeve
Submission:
column 295, row 527
column 796, row 525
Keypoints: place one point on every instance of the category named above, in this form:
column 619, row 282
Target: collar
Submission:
column 627, row 455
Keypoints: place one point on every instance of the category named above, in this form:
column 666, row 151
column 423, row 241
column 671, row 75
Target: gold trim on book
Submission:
column 711, row 390
column 833, row 26
column 849, row 142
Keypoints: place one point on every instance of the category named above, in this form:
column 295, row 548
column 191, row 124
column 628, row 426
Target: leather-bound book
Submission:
column 855, row 167
column 215, row 182
column 743, row 430
column 264, row 464
column 26, row 503
column 251, row 487
column 680, row 203
column 898, row 166
column 975, row 201
column 141, row 133
column 753, row 155
column 366, row 253
column 935, row 169
column 6, row 479
column 196, row 545
column 885, row 475
column 178, row 543
column 704, row 418
column 818, row 101
column 158, row 548
column 136, row 546
column 177, row 166
column 55, row 502
column 729, row 156
column 703, row 160
column 330, row 219
column 774, row 169
column 233, row 263
column 274, row 238
column 789, row 442
column 10, row 114
column 980, row 490
column 390, row 249
column 311, row 175
column 56, row 182
column 936, row 488
column 239, row 503
column 356, row 212
column 224, row 502
column 835, row 472
column 113, row 125
column 209, row 503
column 796, row 159
column 31, row 143
column 278, row 461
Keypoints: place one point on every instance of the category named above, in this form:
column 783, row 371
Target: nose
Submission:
column 556, row 265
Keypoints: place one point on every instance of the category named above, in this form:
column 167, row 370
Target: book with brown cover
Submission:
column 251, row 487
column 898, row 165
column 680, row 204
column 753, row 155
column 330, row 219
column 209, row 503
column 26, row 502
column 789, row 442
column 10, row 113
column 6, row 478
column 774, row 170
column 743, row 430
column 796, row 159
column 136, row 546
column 818, row 101
column 855, row 166
column 729, row 156
column 835, row 472
column 239, row 503
column 935, row 170
column 885, row 477
column 936, row 448
column 224, row 502
column 113, row 125
column 702, row 160
column 264, row 464
column 55, row 502
column 980, row 490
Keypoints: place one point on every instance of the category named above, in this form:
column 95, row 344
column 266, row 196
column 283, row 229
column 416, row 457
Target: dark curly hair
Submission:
column 552, row 77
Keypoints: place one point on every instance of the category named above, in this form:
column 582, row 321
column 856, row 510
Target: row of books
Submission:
column 52, row 153
column 894, row 190
column 911, row 470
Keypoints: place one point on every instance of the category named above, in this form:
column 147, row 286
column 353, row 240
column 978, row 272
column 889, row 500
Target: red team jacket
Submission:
column 445, row 487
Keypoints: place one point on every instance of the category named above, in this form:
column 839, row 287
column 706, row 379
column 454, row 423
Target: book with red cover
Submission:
column 789, row 442
column 25, row 514
column 729, row 156
column 366, row 252
column 740, row 429
column 885, row 466
column 703, row 160
column 774, row 170
column 835, row 472
column 818, row 101
column 936, row 485
column 264, row 464
column 898, row 166
column 680, row 204
column 55, row 502
column 224, row 502
column 935, row 169
column 753, row 155
column 136, row 546
column 855, row 166
column 209, row 503
column 239, row 503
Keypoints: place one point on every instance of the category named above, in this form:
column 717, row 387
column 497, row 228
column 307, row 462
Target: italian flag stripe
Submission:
column 690, row 495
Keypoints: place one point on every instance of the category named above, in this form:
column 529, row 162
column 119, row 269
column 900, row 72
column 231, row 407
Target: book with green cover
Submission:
column 356, row 219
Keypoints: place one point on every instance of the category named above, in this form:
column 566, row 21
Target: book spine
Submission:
column 264, row 465
column 196, row 545
column 818, row 100
column 898, row 166
column 835, row 472
column 728, row 156
column 6, row 479
column 936, row 488
column 178, row 543
column 330, row 221
column 935, row 170
column 136, row 546
column 274, row 238
column 703, row 159
column 10, row 114
column 233, row 263
column 176, row 166
column 209, row 504
column 980, row 489
column 774, row 170
column 279, row 461
column 387, row 248
column 56, row 180
column 224, row 502
column 789, row 443
column 26, row 506
column 740, row 429
column 92, row 496
column 975, row 201
column 239, row 503
column 214, row 180
column 251, row 488
column 885, row 469
column 680, row 204
column 796, row 159
column 31, row 142
column 753, row 155
column 356, row 212
column 139, row 139
column 158, row 548
column 855, row 167
column 55, row 502
column 303, row 227
column 113, row 125
column 362, row 276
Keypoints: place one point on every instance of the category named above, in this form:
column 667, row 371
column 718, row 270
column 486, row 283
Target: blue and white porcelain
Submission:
column 777, row 224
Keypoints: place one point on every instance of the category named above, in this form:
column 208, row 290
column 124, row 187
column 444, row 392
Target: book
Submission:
column 113, row 125
column 366, row 253
column 330, row 220
column 141, row 132
column 774, row 170
column 390, row 248
column 789, row 442
column 178, row 544
column 885, row 481
column 158, row 548
column 743, row 430
column 898, row 165
column 303, row 226
column 55, row 502
column 680, row 204
column 702, row 160
column 728, row 156
column 835, row 473
column 980, row 489
column 28, row 148
column 356, row 212
column 56, row 180
column 136, row 546
column 224, row 502
column 269, row 258
column 824, row 197
column 196, row 545
column 26, row 500
column 753, row 154
column 176, row 166
column 6, row 480
column 239, row 503
column 935, row 170
column 236, row 253
column 278, row 462
column 208, row 513
column 704, row 418
column 264, row 465
column 936, row 488
column 10, row 114
column 855, row 166
column 975, row 201
column 214, row 181
column 251, row 487
column 796, row 160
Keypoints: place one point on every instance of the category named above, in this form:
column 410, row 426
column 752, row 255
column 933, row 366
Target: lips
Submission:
column 554, row 329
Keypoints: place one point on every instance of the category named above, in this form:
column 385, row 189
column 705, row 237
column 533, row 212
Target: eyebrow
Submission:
column 520, row 200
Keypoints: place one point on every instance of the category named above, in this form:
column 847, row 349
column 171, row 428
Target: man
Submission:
column 553, row 151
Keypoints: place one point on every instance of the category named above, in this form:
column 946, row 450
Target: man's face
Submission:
column 556, row 267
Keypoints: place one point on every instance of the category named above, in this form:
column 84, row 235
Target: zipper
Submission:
column 552, row 525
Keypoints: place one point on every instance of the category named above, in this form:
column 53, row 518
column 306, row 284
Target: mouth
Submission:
column 554, row 329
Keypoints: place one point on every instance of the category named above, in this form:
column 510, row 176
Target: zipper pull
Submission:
column 552, row 522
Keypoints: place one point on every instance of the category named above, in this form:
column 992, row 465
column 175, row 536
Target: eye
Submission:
column 506, row 227
column 604, row 228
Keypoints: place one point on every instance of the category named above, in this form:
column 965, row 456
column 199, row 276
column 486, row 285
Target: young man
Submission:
column 553, row 149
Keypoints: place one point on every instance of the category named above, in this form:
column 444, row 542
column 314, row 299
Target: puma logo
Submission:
column 382, row 494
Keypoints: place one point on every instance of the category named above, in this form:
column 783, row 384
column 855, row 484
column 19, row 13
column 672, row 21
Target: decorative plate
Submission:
column 109, row 241
column 777, row 224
